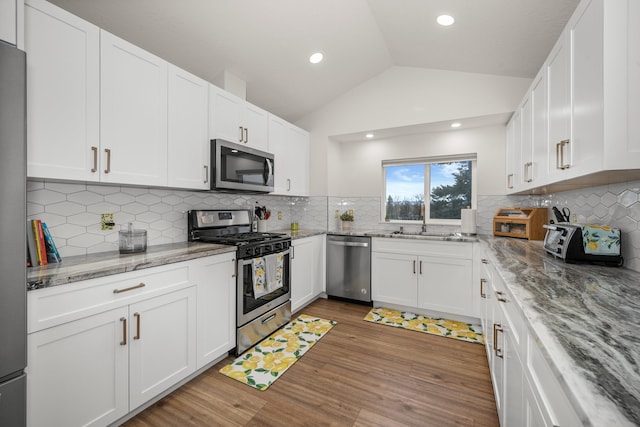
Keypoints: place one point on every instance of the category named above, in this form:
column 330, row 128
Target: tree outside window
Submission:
column 436, row 189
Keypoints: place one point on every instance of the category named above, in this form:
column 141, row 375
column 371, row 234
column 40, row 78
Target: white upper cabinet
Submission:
column 63, row 94
column 133, row 104
column 592, row 100
column 188, row 134
column 290, row 146
column 9, row 21
column 235, row 120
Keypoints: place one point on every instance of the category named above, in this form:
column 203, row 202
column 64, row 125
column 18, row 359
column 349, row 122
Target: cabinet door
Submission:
column 559, row 81
column 133, row 101
column 8, row 20
column 587, row 79
column 78, row 372
column 303, row 264
column 225, row 115
column 526, row 142
column 536, row 415
column 216, row 284
column 539, row 128
column 188, row 134
column 63, row 94
column 394, row 278
column 495, row 343
column 513, row 152
column 445, row 285
column 299, row 161
column 256, row 127
column 514, row 414
column 509, row 158
column 278, row 146
column 162, row 333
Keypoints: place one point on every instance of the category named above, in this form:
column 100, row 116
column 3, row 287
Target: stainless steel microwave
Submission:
column 238, row 168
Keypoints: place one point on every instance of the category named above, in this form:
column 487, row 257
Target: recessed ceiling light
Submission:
column 316, row 57
column 369, row 135
column 445, row 20
column 456, row 125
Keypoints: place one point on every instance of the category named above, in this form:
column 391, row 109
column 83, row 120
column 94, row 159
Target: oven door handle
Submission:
column 245, row 261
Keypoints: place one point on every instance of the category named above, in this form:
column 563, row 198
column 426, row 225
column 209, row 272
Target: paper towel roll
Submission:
column 468, row 221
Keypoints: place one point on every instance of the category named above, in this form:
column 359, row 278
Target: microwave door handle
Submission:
column 268, row 171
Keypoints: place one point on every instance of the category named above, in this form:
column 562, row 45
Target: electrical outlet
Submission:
column 107, row 221
column 279, row 215
column 351, row 212
column 337, row 213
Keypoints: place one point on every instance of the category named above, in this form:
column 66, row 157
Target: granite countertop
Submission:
column 443, row 237
column 587, row 319
column 77, row 268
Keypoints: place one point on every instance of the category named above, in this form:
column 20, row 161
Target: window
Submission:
column 433, row 188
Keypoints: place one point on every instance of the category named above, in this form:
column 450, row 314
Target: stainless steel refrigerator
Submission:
column 13, row 283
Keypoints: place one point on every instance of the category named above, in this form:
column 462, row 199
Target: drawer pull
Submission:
column 482, row 282
column 414, row 266
column 497, row 328
column 484, row 261
column 138, row 286
column 500, row 297
column 124, row 331
column 95, row 159
column 420, row 266
column 108, row 169
column 137, row 316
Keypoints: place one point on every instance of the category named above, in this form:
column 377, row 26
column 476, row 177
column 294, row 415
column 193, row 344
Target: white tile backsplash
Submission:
column 72, row 212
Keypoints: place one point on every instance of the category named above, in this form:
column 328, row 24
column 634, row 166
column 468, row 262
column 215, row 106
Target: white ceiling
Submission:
column 267, row 43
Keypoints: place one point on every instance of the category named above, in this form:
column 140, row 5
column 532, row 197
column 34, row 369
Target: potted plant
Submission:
column 347, row 219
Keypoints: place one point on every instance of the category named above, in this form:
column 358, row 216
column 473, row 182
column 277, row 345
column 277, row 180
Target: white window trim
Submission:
column 473, row 157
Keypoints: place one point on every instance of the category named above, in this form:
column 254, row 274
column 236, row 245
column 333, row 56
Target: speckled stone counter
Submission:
column 445, row 237
column 587, row 319
column 302, row 233
column 77, row 268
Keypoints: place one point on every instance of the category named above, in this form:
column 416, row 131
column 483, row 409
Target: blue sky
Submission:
column 406, row 181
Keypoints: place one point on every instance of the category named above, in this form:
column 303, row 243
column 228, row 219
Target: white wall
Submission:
column 358, row 165
column 402, row 96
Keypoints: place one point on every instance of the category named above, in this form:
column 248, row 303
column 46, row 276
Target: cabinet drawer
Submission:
column 444, row 249
column 60, row 304
column 512, row 314
column 546, row 388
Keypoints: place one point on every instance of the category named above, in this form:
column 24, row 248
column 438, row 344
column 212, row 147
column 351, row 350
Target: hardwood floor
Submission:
column 359, row 374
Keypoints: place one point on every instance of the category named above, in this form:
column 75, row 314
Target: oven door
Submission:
column 250, row 306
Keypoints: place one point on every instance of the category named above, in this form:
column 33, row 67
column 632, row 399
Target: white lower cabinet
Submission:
column 436, row 276
column 101, row 348
column 307, row 270
column 525, row 388
column 78, row 372
column 216, row 284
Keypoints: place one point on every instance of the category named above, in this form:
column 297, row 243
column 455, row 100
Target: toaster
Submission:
column 596, row 244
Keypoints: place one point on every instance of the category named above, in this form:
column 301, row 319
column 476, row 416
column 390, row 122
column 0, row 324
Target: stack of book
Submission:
column 41, row 250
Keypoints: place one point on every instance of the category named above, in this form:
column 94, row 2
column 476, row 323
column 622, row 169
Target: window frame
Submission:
column 426, row 161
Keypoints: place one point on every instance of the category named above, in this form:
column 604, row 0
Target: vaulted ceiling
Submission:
column 267, row 43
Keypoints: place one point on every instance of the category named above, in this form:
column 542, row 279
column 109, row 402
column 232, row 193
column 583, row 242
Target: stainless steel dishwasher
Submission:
column 349, row 267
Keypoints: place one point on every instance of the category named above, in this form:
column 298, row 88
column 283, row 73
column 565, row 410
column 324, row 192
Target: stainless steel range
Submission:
column 263, row 271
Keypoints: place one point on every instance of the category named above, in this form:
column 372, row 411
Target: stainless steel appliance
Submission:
column 240, row 168
column 565, row 241
column 13, row 280
column 260, row 309
column 349, row 267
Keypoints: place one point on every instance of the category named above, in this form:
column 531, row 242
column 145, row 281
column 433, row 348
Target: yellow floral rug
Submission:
column 436, row 326
column 264, row 363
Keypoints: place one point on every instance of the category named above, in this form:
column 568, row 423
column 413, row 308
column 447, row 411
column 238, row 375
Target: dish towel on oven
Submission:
column 267, row 274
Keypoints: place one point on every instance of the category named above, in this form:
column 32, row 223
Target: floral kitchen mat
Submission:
column 436, row 326
column 264, row 363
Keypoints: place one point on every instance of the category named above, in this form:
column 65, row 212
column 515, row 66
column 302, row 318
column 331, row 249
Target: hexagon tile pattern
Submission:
column 72, row 212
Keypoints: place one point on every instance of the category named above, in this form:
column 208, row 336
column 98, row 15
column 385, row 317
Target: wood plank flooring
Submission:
column 359, row 374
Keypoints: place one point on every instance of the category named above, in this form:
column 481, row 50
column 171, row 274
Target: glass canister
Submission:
column 132, row 241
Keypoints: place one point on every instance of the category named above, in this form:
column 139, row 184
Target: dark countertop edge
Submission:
column 544, row 336
column 79, row 268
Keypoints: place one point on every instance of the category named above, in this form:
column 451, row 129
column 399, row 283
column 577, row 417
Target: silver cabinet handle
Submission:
column 482, row 282
column 497, row 327
column 288, row 184
column 527, row 172
column 500, row 296
column 246, row 135
column 560, row 164
column 138, row 286
column 420, row 266
column 124, row 331
column 484, row 261
column 108, row 169
column 510, row 180
column 137, row 316
column 241, row 133
column 206, row 174
column 414, row 266
column 95, row 159
column 235, row 268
